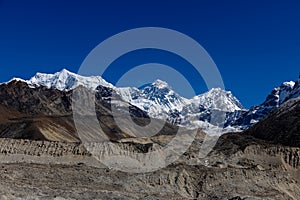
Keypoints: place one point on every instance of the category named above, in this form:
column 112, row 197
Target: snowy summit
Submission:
column 159, row 100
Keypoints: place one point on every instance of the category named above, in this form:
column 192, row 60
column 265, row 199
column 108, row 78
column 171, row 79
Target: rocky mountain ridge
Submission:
column 160, row 101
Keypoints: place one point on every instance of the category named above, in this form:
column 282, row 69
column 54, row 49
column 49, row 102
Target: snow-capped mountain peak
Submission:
column 160, row 84
column 284, row 90
column 289, row 83
column 295, row 91
column 278, row 96
column 159, row 100
column 218, row 99
column 163, row 94
column 15, row 79
column 66, row 80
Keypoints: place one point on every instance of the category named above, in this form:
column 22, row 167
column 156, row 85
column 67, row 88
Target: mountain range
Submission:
column 42, row 149
column 158, row 100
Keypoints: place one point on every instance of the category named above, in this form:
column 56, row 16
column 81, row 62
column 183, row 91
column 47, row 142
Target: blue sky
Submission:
column 255, row 44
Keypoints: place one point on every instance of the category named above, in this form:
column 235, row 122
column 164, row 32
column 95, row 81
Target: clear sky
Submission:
column 255, row 44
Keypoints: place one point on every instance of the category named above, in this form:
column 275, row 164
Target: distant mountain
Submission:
column 42, row 113
column 161, row 93
column 65, row 81
column 209, row 111
column 279, row 95
column 218, row 99
column 213, row 111
column 157, row 99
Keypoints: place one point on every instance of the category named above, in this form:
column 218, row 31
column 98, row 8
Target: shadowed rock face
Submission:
column 18, row 96
column 46, row 114
column 282, row 126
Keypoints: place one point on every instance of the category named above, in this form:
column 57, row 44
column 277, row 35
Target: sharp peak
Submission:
column 284, row 85
column 288, row 83
column 292, row 82
column 219, row 90
column 65, row 71
column 216, row 91
column 14, row 79
column 159, row 81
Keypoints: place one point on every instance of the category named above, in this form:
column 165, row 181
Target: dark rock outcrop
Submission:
column 282, row 126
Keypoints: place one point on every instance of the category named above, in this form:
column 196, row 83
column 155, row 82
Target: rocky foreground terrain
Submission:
column 240, row 167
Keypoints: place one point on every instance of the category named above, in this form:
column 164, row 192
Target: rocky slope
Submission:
column 46, row 114
column 281, row 126
column 160, row 101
